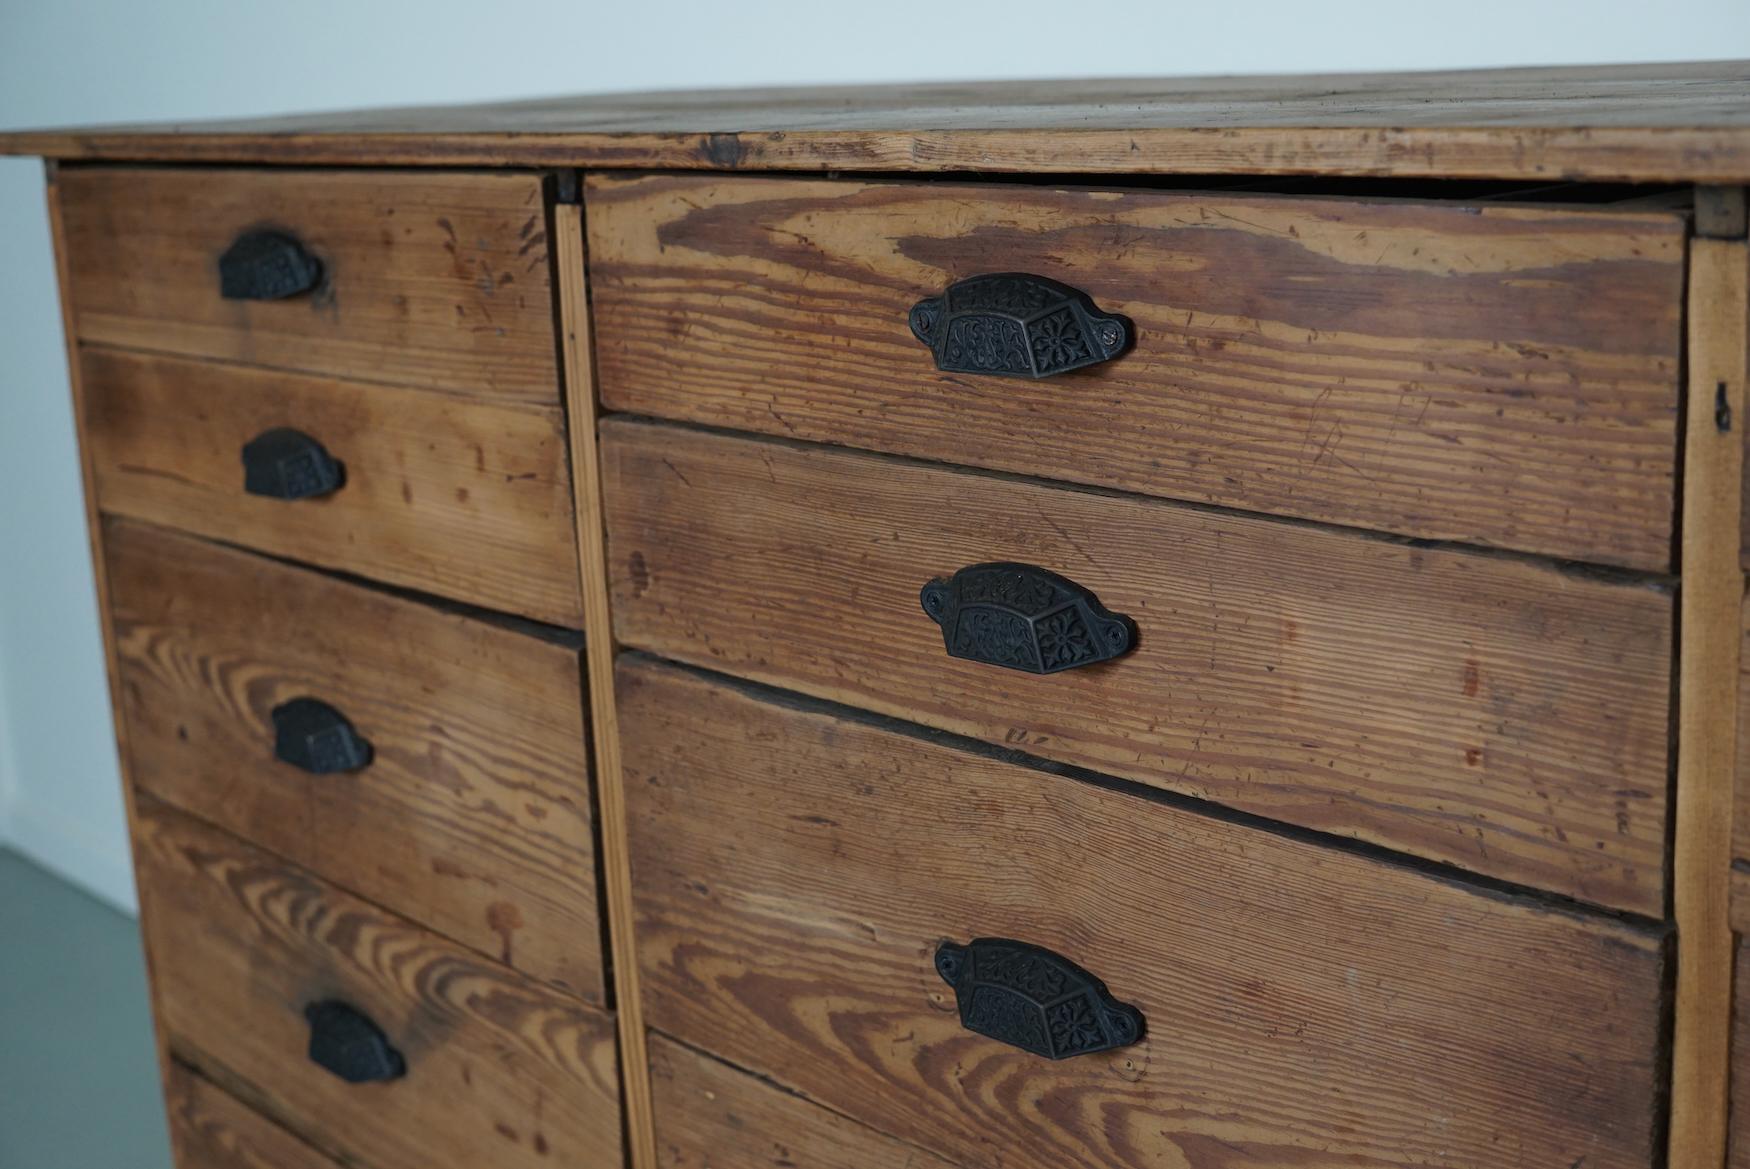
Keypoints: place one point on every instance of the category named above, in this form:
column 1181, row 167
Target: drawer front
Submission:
column 795, row 871
column 210, row 1130
column 472, row 814
column 1473, row 709
column 463, row 499
column 425, row 279
column 711, row 1115
column 1498, row 375
column 496, row 1070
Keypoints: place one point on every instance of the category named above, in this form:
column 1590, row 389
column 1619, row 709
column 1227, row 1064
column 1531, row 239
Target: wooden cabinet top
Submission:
column 1645, row 123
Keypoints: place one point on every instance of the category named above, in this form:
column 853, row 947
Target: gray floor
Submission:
column 78, row 1076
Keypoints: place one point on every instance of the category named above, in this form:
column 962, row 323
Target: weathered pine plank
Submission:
column 94, row 539
column 796, row 869
column 438, row 281
column 210, row 1130
column 1497, row 375
column 1741, row 785
column 500, row 1071
column 473, row 817
column 1637, row 122
column 1707, row 708
column 599, row 654
column 710, row 1115
column 1738, row 1148
column 1482, row 711
column 460, row 498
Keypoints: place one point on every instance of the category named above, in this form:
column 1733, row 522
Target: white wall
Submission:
column 72, row 61
column 8, row 785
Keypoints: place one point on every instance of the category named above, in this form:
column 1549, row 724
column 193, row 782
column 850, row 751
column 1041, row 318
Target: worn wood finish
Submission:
column 795, row 870
column 473, row 817
column 600, row 652
column 500, row 1070
column 210, row 1130
column 433, row 280
column 99, row 571
column 1502, row 375
column 711, row 1116
column 1741, row 800
column 1634, row 122
column 1740, row 882
column 1483, row 711
column 1738, row 1150
column 460, row 498
column 1722, row 212
column 1707, row 709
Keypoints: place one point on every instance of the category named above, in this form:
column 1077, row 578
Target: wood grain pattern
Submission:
column 599, row 654
column 99, row 569
column 1478, row 710
column 1722, row 212
column 500, row 1071
column 1707, row 709
column 1500, row 375
column 1741, row 801
column 449, row 496
column 711, row 1116
column 210, row 1130
column 473, row 817
column 1738, row 1149
column 433, row 280
column 1740, row 882
column 1632, row 122
column 795, row 871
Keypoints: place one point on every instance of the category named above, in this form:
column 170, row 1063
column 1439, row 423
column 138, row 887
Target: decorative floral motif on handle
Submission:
column 1017, row 325
column 1024, row 618
column 1033, row 999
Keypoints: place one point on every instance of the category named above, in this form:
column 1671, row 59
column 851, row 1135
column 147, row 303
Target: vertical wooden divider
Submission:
column 1712, row 591
column 599, row 650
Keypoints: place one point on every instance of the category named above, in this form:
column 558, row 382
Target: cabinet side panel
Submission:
column 1709, row 616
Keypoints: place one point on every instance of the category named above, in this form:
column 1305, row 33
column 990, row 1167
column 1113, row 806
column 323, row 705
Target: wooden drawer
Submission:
column 463, row 499
column 1495, row 374
column 473, row 814
column 498, row 1070
column 437, row 280
column 711, row 1115
column 795, row 869
column 210, row 1130
column 1474, row 709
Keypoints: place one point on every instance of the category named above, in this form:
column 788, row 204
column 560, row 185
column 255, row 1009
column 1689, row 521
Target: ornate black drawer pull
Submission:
column 267, row 265
column 345, row 1041
column 283, row 463
column 313, row 736
column 1030, row 998
column 1025, row 618
column 1017, row 325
